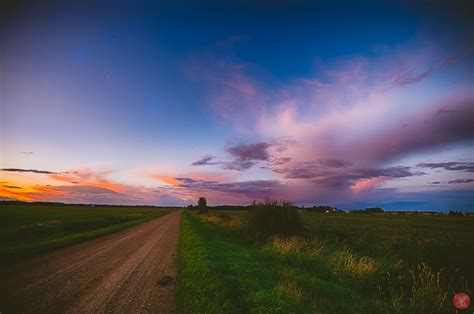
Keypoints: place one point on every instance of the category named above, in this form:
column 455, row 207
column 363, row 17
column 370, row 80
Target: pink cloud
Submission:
column 349, row 111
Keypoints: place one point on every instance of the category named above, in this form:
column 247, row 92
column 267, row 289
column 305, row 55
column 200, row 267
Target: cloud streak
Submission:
column 240, row 157
column 27, row 170
column 451, row 166
column 461, row 181
column 253, row 188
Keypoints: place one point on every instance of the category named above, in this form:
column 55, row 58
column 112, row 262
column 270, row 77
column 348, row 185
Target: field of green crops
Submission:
column 30, row 229
column 362, row 263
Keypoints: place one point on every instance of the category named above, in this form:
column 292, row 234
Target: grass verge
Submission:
column 30, row 230
column 220, row 272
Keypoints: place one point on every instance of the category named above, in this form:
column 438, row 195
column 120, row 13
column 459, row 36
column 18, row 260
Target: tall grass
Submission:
column 402, row 262
column 422, row 290
column 219, row 272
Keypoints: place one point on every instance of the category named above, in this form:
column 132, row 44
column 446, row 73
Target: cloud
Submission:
column 423, row 133
column 11, row 186
column 234, row 164
column 240, row 157
column 169, row 180
column 27, row 153
column 351, row 177
column 245, row 156
column 253, row 188
column 27, row 170
column 318, row 173
column 257, row 151
column 278, row 161
column 461, row 181
column 86, row 177
column 443, row 111
column 452, row 166
column 412, row 76
column 75, row 190
column 347, row 124
column 231, row 89
column 204, row 161
column 239, row 165
column 99, row 191
column 335, row 163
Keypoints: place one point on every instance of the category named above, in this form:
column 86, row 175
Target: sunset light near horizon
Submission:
column 158, row 104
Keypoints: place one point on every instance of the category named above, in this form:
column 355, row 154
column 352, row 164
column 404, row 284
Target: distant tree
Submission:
column 321, row 209
column 202, row 205
column 202, row 202
column 373, row 210
column 190, row 207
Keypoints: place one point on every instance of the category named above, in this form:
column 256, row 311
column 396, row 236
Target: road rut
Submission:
column 131, row 271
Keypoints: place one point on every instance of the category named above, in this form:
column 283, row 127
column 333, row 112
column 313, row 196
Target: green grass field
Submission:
column 27, row 229
column 360, row 263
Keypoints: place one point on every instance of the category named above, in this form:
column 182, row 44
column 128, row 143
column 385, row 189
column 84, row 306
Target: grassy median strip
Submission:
column 27, row 230
column 219, row 272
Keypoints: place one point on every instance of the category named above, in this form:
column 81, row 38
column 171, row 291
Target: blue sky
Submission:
column 158, row 103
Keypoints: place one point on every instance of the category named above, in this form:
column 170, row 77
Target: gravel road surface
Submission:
column 131, row 271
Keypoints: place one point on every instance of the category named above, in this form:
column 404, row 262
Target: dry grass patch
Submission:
column 427, row 293
column 288, row 245
column 291, row 289
column 358, row 267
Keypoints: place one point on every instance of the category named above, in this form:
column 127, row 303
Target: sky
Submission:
column 333, row 102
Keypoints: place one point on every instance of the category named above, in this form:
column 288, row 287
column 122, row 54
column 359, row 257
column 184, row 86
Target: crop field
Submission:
column 362, row 263
column 30, row 229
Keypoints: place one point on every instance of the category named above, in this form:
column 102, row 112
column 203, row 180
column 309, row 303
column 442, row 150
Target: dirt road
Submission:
column 124, row 272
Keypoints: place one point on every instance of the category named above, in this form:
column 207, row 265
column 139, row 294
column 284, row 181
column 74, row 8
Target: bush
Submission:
column 373, row 210
column 270, row 219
